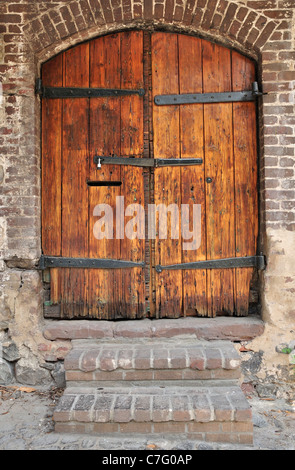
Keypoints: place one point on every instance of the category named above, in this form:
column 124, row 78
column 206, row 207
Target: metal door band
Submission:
column 92, row 263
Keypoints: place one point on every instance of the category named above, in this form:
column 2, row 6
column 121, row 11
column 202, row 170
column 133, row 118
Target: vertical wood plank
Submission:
column 74, row 183
column 245, row 161
column 105, row 286
column 133, row 283
column 219, row 166
column 148, row 174
column 52, row 75
column 167, row 180
column 192, row 177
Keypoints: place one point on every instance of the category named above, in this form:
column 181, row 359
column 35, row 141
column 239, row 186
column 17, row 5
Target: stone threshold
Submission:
column 209, row 329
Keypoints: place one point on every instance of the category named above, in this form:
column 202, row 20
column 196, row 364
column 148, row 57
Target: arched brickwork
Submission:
column 61, row 25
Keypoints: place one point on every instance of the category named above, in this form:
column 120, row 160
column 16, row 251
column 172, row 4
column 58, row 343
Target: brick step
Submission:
column 91, row 363
column 201, row 413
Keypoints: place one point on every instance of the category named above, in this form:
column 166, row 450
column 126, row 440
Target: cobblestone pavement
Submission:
column 26, row 424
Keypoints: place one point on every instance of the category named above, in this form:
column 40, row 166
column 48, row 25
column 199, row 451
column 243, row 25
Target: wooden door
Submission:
column 77, row 191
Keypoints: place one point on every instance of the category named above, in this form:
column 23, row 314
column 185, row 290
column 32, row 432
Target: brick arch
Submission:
column 54, row 29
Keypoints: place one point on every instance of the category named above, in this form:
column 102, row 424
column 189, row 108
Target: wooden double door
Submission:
column 95, row 209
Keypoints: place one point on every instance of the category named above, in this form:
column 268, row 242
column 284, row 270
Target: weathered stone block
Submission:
column 28, row 375
column 6, row 372
column 59, row 376
column 10, row 351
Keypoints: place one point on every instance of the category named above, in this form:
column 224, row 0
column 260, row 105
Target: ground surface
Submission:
column 26, row 424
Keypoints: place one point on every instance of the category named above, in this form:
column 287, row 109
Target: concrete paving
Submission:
column 26, row 424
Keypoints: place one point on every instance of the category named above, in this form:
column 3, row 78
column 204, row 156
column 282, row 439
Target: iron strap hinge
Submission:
column 241, row 262
column 192, row 98
column 93, row 263
column 146, row 162
column 75, row 92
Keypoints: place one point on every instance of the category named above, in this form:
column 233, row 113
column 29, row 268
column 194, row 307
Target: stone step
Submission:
column 92, row 363
column 199, row 413
column 219, row 328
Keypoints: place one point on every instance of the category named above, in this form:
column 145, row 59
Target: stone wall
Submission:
column 32, row 32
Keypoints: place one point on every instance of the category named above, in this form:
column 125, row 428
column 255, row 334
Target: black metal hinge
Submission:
column 225, row 263
column 192, row 98
column 74, row 92
column 146, row 162
column 92, row 263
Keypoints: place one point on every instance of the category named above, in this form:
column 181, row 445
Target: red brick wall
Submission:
column 34, row 31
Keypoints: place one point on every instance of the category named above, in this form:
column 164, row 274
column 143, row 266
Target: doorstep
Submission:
column 210, row 329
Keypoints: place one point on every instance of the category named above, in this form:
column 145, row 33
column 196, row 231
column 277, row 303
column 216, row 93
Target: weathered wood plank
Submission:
column 52, row 75
column 220, row 220
column 245, row 161
column 192, row 178
column 132, row 143
column 74, row 187
column 167, row 180
column 105, row 286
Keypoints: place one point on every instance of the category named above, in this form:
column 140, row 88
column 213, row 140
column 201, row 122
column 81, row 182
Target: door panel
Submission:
column 116, row 129
column 246, row 203
column 167, row 180
column 74, row 175
column 192, row 178
column 105, row 288
column 95, row 213
column 132, row 247
column 52, row 74
column 220, row 224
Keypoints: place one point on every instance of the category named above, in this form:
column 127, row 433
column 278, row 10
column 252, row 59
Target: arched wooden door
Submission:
column 116, row 151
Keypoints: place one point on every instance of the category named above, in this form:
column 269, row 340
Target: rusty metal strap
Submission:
column 91, row 263
column 194, row 98
column 76, row 92
column 226, row 263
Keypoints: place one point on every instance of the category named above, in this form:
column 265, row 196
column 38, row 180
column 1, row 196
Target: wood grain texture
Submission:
column 245, row 162
column 192, row 177
column 52, row 75
column 132, row 142
column 105, row 286
column 74, row 283
column 220, row 218
column 167, row 180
